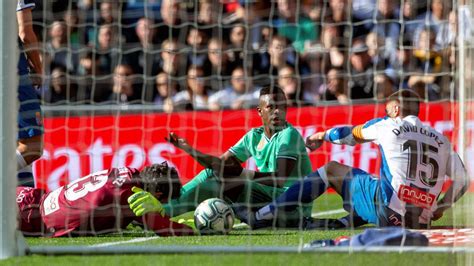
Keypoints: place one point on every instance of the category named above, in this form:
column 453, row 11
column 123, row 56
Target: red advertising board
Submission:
column 78, row 145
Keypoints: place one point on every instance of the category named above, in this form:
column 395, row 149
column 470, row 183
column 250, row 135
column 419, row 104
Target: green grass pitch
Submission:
column 244, row 237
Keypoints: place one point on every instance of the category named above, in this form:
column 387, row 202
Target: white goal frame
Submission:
column 10, row 238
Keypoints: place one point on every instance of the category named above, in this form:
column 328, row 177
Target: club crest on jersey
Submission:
column 416, row 197
column 261, row 144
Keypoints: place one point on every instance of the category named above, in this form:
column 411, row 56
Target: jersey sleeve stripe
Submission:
column 232, row 151
column 286, row 157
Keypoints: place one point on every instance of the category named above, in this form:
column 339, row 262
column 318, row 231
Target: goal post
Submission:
column 8, row 94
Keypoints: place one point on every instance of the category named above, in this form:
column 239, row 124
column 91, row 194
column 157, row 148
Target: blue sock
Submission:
column 304, row 191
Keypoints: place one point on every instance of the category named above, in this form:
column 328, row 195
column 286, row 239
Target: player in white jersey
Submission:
column 416, row 163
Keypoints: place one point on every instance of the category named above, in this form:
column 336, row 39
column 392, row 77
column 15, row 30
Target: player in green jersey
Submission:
column 278, row 150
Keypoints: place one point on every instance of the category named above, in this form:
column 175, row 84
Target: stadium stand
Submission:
column 334, row 51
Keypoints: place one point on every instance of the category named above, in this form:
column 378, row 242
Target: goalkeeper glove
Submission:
column 142, row 202
column 188, row 222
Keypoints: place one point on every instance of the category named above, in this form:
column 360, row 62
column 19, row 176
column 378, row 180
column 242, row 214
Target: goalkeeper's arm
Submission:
column 150, row 212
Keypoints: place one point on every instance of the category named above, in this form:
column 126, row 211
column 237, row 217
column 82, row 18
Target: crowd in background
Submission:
column 215, row 54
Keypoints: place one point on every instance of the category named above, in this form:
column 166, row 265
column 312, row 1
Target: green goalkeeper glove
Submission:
column 142, row 202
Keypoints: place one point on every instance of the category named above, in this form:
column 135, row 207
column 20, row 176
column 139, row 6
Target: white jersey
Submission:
column 415, row 162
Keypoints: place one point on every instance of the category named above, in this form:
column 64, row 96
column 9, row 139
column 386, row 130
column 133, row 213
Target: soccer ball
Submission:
column 214, row 216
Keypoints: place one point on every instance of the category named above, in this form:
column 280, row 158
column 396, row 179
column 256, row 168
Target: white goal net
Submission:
column 120, row 76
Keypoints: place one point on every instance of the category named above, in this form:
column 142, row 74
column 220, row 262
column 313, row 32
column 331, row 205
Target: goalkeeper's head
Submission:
column 161, row 180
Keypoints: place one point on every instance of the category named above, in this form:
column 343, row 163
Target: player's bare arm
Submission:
column 225, row 166
column 29, row 40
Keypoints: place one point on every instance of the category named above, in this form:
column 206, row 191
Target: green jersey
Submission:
column 286, row 143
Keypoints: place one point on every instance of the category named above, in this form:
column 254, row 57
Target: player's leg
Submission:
column 30, row 130
column 203, row 186
column 302, row 192
column 307, row 190
column 253, row 196
column 359, row 192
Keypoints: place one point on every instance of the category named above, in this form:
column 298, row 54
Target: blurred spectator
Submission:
column 363, row 10
column 384, row 86
column 85, row 4
column 109, row 12
column 427, row 64
column 338, row 15
column 294, row 25
column 335, row 88
column 384, row 64
column 124, row 89
column 61, row 91
column 278, row 56
column 312, row 82
column 448, row 32
column 363, row 15
column 196, row 95
column 58, row 52
column 92, row 85
column 312, row 9
column 241, row 94
column 208, row 12
column 172, row 25
column 145, row 31
column 409, row 17
column 107, row 53
column 74, row 35
column 333, row 47
column 289, row 82
column 196, row 40
column 237, row 40
column 434, row 18
column 250, row 14
column 361, row 82
column 209, row 18
column 382, row 60
column 171, row 58
column 387, row 26
column 339, row 11
column 142, row 56
column 165, row 88
column 218, row 65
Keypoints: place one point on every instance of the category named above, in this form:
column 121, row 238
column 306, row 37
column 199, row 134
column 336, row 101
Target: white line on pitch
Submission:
column 136, row 240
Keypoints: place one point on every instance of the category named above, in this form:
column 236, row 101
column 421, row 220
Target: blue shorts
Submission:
column 359, row 194
column 30, row 118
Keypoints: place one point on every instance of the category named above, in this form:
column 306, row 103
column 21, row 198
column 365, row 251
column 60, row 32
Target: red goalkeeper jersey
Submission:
column 96, row 204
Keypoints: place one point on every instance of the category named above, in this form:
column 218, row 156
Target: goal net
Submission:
column 120, row 76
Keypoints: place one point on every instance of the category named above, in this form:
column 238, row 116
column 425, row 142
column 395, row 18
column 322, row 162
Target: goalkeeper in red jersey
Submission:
column 103, row 202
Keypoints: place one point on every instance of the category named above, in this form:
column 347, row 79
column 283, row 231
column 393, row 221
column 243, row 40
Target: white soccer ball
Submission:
column 214, row 216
